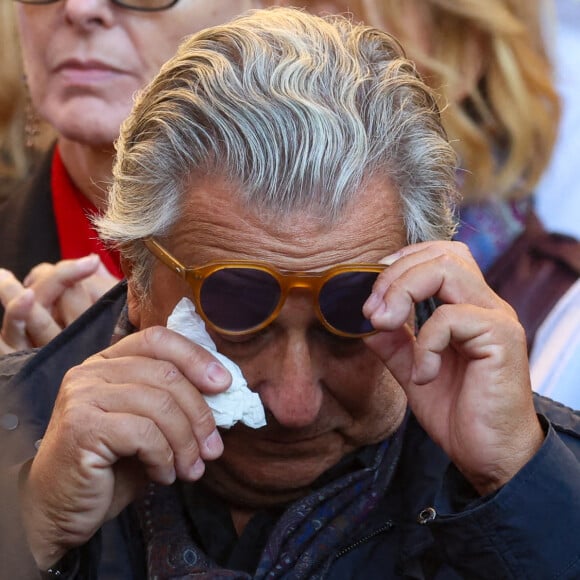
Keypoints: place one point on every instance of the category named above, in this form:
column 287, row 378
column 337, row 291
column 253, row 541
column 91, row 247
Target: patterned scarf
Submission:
column 302, row 544
column 490, row 227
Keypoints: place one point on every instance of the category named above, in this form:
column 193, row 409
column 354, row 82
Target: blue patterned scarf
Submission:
column 489, row 227
column 303, row 542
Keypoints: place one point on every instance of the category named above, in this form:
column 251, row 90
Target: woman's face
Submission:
column 86, row 59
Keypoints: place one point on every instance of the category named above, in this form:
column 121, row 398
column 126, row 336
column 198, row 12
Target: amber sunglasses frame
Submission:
column 313, row 281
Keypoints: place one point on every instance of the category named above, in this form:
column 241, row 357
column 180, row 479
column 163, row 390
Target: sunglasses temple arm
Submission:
column 164, row 256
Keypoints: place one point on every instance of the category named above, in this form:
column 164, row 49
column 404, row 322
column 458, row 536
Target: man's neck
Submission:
column 240, row 518
column 90, row 168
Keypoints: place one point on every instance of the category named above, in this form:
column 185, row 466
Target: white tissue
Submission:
column 238, row 403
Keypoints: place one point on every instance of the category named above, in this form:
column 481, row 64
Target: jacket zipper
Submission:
column 384, row 528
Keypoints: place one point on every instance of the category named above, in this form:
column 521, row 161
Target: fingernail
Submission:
column 4, row 274
column 197, row 469
column 214, row 444
column 27, row 296
column 372, row 302
column 217, row 373
column 90, row 259
column 171, row 477
column 391, row 259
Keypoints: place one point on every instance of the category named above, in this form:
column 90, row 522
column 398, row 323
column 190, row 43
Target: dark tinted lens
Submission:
column 342, row 298
column 238, row 299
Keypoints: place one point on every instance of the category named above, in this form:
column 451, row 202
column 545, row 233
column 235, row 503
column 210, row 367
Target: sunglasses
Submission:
column 142, row 5
column 241, row 297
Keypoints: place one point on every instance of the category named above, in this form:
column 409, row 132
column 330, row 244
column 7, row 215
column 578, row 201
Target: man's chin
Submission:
column 271, row 484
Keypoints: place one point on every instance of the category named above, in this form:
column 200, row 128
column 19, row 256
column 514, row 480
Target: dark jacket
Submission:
column 528, row 529
column 27, row 224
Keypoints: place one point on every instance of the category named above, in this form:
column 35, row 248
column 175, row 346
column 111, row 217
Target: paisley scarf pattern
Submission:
column 302, row 544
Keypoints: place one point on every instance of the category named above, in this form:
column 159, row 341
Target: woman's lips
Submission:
column 86, row 72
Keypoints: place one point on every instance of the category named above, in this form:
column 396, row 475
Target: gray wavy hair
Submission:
column 296, row 109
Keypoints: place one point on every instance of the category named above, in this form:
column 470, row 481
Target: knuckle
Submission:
column 509, row 310
column 13, row 314
column 46, row 325
column 76, row 382
column 442, row 314
column 74, row 375
column 7, row 278
column 446, row 260
column 79, row 420
column 166, row 404
column 397, row 287
column 462, row 248
column 190, row 449
column 168, row 373
column 41, row 270
column 204, row 420
column 147, row 430
column 154, row 335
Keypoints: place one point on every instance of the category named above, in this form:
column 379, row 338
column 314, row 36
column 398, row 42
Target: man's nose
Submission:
column 293, row 393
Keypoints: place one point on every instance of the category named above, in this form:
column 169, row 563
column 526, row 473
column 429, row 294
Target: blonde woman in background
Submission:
column 489, row 64
column 13, row 161
column 84, row 61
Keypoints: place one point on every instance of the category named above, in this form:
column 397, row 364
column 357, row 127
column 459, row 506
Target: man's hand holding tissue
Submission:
column 132, row 413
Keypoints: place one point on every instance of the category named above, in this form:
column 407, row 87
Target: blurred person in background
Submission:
column 558, row 193
column 21, row 138
column 84, row 61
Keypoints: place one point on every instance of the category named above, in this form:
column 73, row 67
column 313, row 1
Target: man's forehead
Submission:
column 217, row 222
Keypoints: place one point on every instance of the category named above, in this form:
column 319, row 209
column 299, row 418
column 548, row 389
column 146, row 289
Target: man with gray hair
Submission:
column 282, row 203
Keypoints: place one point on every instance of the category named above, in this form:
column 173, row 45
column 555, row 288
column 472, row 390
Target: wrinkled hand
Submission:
column 466, row 373
column 130, row 414
column 51, row 297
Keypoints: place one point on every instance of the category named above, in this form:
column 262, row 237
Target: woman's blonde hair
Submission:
column 503, row 124
column 16, row 147
column 13, row 160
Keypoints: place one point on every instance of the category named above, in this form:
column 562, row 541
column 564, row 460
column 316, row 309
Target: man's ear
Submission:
column 134, row 301
column 126, row 267
column 134, row 305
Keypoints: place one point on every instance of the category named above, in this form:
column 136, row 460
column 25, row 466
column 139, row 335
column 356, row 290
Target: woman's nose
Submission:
column 89, row 13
